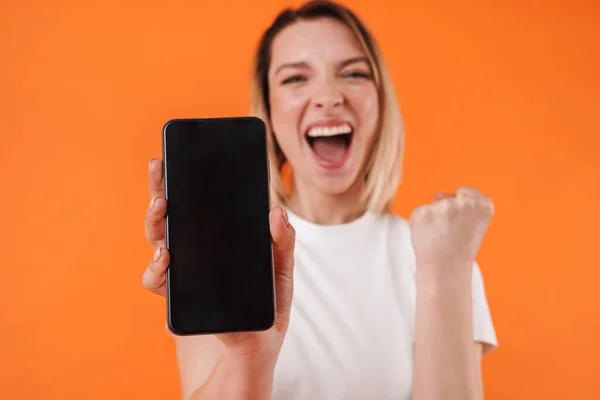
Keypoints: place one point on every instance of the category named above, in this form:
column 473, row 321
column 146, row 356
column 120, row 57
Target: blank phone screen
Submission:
column 220, row 277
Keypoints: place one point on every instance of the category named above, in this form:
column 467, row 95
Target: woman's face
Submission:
column 324, row 103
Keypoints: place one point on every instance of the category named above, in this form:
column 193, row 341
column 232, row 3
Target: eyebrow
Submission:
column 304, row 65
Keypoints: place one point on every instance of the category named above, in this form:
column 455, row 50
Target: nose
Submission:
column 328, row 96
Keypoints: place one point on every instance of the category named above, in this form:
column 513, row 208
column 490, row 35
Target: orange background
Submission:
column 503, row 96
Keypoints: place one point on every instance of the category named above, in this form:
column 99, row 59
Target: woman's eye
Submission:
column 357, row 74
column 293, row 79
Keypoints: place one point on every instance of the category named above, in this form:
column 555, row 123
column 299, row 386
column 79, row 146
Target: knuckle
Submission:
column 449, row 208
column 468, row 191
column 488, row 206
column 465, row 202
column 154, row 269
column 416, row 213
column 151, row 278
column 147, row 279
column 420, row 213
column 446, row 206
column 462, row 190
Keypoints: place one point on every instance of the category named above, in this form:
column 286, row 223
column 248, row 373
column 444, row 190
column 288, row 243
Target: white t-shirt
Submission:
column 351, row 329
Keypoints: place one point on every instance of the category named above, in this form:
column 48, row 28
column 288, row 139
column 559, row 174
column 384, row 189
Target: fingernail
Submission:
column 157, row 254
column 150, row 163
column 284, row 214
column 153, row 202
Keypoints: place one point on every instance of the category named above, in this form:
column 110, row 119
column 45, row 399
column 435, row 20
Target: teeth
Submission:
column 329, row 130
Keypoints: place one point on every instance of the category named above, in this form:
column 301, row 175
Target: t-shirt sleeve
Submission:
column 483, row 326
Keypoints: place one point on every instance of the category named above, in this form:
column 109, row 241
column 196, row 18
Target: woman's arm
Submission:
column 235, row 378
column 209, row 371
column 446, row 236
column 447, row 359
column 197, row 357
column 213, row 366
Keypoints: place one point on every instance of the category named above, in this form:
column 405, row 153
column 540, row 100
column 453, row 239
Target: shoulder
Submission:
column 396, row 220
column 395, row 226
column 396, row 231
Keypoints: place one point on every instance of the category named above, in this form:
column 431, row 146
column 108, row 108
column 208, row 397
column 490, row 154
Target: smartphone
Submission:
column 216, row 179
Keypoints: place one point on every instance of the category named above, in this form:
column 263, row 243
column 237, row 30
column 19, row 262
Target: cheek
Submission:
column 366, row 105
column 371, row 107
column 285, row 106
column 286, row 112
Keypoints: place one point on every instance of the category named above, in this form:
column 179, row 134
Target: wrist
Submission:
column 251, row 376
column 240, row 377
column 255, row 363
column 444, row 277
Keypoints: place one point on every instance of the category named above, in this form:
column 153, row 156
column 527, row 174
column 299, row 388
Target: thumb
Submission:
column 284, row 237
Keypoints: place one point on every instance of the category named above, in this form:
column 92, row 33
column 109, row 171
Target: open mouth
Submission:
column 330, row 144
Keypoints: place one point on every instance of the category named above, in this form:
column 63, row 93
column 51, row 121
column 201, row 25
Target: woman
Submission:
column 383, row 308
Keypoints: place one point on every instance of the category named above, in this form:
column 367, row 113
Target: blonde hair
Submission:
column 382, row 172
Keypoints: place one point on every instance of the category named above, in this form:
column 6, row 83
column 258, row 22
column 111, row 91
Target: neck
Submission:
column 323, row 208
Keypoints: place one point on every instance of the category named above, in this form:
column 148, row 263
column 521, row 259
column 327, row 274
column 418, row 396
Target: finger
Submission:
column 477, row 198
column 442, row 195
column 155, row 178
column 283, row 235
column 155, row 222
column 154, row 276
column 468, row 192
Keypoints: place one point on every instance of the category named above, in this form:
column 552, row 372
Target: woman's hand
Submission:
column 255, row 347
column 446, row 234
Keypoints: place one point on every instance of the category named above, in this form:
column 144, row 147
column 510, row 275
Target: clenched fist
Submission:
column 447, row 233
